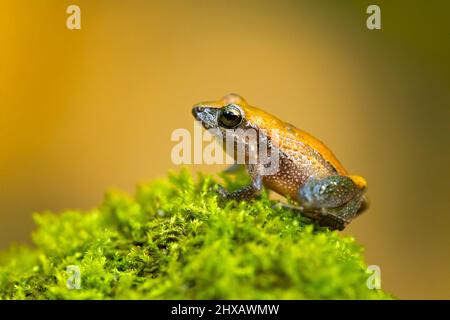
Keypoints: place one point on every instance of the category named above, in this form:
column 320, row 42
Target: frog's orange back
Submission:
column 289, row 136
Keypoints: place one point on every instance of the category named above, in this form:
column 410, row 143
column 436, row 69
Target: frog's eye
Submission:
column 230, row 116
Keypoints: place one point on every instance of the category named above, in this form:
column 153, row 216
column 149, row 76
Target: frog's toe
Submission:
column 220, row 191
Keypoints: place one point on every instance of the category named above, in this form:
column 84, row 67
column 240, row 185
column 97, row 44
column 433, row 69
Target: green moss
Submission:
column 173, row 241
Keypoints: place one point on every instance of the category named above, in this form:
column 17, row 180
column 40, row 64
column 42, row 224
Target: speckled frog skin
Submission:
column 308, row 172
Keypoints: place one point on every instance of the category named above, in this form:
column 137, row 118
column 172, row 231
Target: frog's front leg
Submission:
column 333, row 201
column 247, row 192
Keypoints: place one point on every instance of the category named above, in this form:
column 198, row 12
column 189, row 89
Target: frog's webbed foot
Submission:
column 321, row 216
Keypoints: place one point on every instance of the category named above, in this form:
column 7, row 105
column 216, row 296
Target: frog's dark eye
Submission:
column 230, row 116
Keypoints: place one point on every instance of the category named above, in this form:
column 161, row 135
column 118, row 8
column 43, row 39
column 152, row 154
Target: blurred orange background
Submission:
column 86, row 110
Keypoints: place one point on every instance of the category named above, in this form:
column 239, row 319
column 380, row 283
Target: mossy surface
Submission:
column 172, row 240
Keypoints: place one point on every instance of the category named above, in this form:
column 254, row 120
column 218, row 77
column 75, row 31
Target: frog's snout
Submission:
column 206, row 115
column 196, row 111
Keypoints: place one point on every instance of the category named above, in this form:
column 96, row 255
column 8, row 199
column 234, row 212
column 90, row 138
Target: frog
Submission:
column 308, row 173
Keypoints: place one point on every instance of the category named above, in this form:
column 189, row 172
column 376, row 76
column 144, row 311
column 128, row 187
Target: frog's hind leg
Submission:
column 329, row 192
column 333, row 201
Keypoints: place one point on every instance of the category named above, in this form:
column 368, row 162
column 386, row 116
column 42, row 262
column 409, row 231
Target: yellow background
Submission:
column 89, row 109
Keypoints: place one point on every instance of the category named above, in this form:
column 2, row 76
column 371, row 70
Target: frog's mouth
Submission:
column 206, row 115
